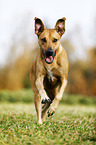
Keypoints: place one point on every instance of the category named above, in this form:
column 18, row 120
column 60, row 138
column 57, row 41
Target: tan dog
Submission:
column 49, row 70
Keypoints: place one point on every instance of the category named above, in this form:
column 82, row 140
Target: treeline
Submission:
column 82, row 73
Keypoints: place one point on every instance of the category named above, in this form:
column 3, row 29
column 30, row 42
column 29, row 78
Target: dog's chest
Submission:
column 51, row 80
column 50, row 76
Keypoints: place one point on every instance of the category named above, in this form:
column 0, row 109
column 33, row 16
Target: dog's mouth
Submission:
column 48, row 59
column 49, row 56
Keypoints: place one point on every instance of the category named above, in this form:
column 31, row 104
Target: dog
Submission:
column 49, row 70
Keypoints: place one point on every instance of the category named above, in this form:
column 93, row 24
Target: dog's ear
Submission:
column 60, row 26
column 39, row 26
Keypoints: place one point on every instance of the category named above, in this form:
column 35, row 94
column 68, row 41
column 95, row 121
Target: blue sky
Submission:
column 78, row 13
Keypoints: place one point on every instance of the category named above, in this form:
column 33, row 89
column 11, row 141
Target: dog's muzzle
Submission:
column 49, row 55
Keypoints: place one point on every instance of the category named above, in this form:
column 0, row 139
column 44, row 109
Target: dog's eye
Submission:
column 44, row 39
column 55, row 40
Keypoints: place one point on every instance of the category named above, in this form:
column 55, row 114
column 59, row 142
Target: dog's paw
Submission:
column 52, row 108
column 39, row 122
column 51, row 111
column 44, row 101
column 50, row 114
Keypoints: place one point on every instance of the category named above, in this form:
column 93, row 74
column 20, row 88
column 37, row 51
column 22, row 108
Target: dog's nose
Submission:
column 49, row 52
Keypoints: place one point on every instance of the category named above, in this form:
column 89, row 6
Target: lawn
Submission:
column 73, row 123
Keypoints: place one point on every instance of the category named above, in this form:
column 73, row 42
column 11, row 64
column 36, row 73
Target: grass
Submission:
column 73, row 123
column 26, row 96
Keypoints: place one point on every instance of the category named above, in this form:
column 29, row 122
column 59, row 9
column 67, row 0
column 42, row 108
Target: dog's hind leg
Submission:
column 57, row 98
column 51, row 93
column 44, row 110
column 37, row 100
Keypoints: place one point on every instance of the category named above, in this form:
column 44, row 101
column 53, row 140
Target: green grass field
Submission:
column 73, row 123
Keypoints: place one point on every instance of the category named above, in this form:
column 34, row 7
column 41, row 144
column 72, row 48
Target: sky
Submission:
column 79, row 13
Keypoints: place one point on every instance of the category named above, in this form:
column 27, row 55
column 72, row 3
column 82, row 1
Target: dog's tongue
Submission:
column 49, row 59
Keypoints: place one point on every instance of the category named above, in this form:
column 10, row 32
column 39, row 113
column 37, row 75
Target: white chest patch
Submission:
column 50, row 75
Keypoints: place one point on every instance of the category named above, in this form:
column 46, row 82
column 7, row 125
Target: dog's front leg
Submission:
column 58, row 97
column 42, row 92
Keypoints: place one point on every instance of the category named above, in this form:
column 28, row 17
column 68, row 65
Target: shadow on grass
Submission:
column 93, row 139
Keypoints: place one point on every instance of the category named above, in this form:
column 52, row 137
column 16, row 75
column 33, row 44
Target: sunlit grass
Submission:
column 71, row 124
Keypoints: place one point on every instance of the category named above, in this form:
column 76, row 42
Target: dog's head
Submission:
column 49, row 39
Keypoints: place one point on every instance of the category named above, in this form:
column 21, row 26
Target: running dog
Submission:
column 49, row 70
